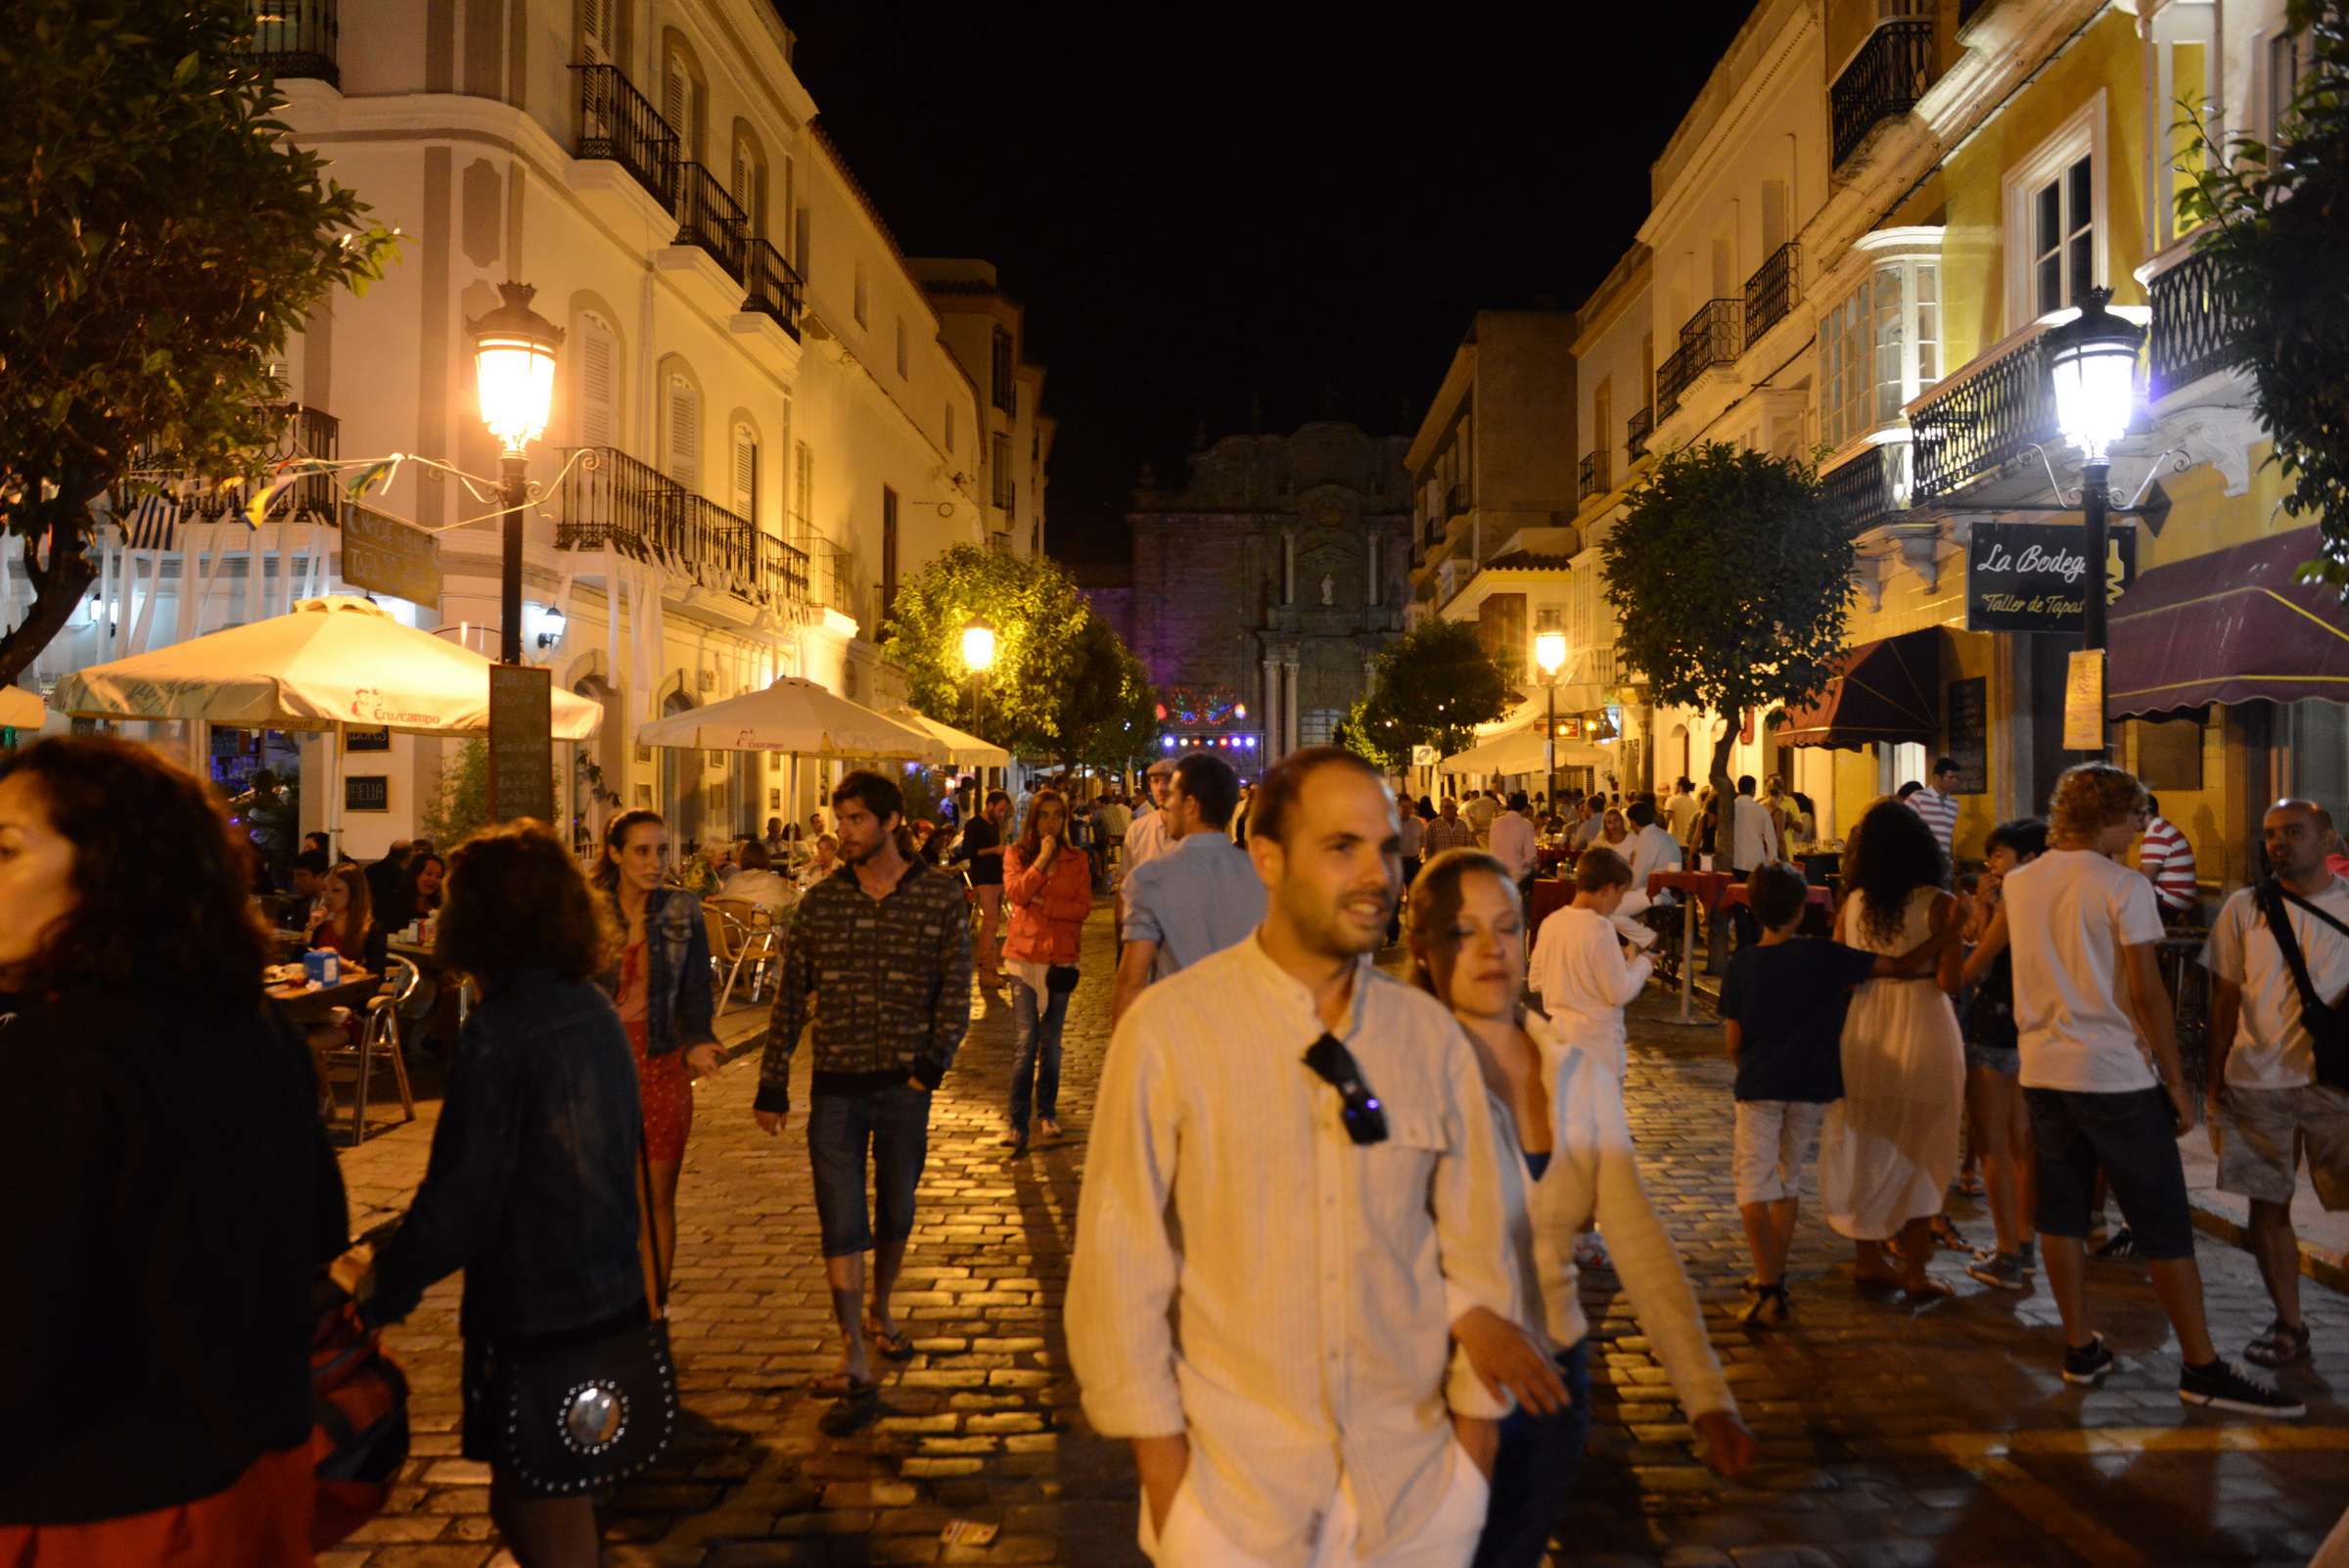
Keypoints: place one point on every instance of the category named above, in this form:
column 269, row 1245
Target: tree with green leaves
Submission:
column 161, row 236
column 1431, row 686
column 1731, row 573
column 2275, row 210
column 1107, row 714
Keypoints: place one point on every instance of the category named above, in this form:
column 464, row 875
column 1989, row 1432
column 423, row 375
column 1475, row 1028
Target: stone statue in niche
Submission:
column 1329, row 588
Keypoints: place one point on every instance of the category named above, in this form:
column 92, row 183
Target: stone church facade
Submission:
column 1270, row 582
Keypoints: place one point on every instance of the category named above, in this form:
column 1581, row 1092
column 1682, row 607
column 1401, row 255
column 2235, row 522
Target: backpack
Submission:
column 2327, row 1023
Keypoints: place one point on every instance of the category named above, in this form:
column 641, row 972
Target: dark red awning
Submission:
column 1888, row 692
column 2228, row 627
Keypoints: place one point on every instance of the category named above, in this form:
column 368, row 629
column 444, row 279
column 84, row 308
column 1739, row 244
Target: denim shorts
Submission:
column 2132, row 1138
column 891, row 1125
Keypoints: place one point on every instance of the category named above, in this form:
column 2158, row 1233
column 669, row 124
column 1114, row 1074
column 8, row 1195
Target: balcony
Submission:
column 611, row 500
column 1973, row 427
column 774, row 287
column 1771, row 292
column 710, row 219
column 1593, row 476
column 317, row 498
column 1884, row 80
column 295, row 38
column 1711, row 337
column 1635, row 433
column 1456, row 501
column 2193, row 335
column 617, row 122
column 1866, row 490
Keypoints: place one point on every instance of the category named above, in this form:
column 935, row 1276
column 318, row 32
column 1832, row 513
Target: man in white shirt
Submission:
column 1304, row 1413
column 1753, row 842
column 1680, row 809
column 1481, row 809
column 1652, row 849
column 2088, row 999
column 1937, row 803
column 2267, row 1100
column 1579, row 967
column 1149, row 836
column 1511, row 837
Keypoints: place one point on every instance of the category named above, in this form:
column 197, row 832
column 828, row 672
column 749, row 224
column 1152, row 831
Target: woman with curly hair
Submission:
column 167, row 1191
column 1889, row 1147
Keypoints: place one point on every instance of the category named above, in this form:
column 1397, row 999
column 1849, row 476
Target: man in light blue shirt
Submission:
column 1198, row 897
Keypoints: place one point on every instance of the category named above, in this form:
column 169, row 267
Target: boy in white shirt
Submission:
column 1579, row 965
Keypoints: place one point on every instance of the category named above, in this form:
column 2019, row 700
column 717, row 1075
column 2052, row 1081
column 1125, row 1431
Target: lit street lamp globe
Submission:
column 514, row 362
column 2093, row 359
column 1549, row 651
column 979, row 646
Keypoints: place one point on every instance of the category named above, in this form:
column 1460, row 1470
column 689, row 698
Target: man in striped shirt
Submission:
column 2168, row 862
column 1937, row 803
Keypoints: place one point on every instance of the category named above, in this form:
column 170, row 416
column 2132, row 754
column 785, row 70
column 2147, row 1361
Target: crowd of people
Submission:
column 1390, row 1366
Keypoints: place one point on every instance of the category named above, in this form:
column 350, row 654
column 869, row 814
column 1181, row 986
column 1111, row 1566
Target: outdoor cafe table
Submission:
column 309, row 1007
column 1714, row 889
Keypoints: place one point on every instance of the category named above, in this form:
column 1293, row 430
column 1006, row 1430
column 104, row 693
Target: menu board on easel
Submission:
column 522, row 743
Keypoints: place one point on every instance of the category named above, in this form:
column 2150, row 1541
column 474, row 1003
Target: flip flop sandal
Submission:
column 840, row 1386
column 2280, row 1346
column 892, row 1347
column 1969, row 1185
column 1946, row 1234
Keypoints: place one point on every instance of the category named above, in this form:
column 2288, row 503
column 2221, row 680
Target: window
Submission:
column 1004, row 398
column 749, row 187
column 597, row 389
column 746, row 471
column 599, row 31
column 889, row 551
column 999, row 460
column 905, row 355
column 860, row 302
column 2289, row 55
column 682, row 432
column 2064, row 238
column 1878, row 349
column 681, row 102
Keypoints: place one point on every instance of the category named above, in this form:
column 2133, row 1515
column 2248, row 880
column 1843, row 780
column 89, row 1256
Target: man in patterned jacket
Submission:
column 884, row 945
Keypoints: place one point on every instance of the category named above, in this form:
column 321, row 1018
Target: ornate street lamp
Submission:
column 978, row 657
column 1549, row 652
column 2093, row 361
column 514, row 363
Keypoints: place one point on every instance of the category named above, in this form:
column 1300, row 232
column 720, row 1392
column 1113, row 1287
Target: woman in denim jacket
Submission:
column 661, row 988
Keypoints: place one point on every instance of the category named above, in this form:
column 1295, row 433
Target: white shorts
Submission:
column 1773, row 1137
column 1447, row 1541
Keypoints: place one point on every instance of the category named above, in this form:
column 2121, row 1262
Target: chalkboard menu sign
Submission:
column 366, row 792
column 367, row 740
column 2032, row 577
column 1969, row 733
column 522, row 743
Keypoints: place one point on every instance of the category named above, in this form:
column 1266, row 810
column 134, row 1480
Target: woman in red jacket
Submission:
column 1049, row 889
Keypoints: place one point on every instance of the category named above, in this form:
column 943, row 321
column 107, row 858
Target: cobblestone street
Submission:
column 1891, row 1436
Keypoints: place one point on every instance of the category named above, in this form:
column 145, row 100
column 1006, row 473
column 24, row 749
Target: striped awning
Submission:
column 2228, row 627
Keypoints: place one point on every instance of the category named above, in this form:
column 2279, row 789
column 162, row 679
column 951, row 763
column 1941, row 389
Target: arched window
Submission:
column 681, row 99
column 746, row 471
column 599, row 31
column 597, row 391
column 748, row 182
column 681, row 430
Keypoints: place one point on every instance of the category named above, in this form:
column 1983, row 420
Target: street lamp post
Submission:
column 514, row 361
column 1549, row 652
column 978, row 657
column 2093, row 361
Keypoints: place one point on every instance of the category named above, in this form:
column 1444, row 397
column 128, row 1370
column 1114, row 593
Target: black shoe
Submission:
column 2122, row 1245
column 2087, row 1363
column 2225, row 1386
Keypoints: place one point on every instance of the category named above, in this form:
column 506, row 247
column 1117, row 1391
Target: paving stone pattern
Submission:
column 1891, row 1436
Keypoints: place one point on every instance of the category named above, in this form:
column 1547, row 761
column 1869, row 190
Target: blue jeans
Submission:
column 1533, row 1473
column 1036, row 1068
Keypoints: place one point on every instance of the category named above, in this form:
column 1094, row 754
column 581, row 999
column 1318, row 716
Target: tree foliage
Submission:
column 1730, row 575
column 2276, row 208
column 1062, row 684
column 1432, row 686
column 159, row 238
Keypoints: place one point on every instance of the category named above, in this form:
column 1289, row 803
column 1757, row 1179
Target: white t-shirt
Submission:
column 2272, row 1051
column 2069, row 914
column 1681, row 812
column 1756, row 840
column 1652, row 850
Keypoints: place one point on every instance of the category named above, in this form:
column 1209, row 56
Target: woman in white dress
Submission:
column 1889, row 1147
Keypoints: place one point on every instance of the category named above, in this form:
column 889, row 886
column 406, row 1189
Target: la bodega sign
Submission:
column 2033, row 577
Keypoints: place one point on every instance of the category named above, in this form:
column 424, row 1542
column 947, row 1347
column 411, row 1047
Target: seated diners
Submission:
column 167, row 1195
column 825, row 862
column 759, row 883
column 344, row 921
column 418, row 894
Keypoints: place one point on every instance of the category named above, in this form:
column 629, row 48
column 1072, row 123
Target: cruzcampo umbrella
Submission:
column 796, row 716
column 963, row 749
column 20, row 708
column 332, row 662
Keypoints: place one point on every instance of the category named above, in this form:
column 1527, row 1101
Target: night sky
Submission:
column 1202, row 205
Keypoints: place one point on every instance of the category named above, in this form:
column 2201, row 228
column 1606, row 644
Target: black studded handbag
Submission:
column 586, row 1409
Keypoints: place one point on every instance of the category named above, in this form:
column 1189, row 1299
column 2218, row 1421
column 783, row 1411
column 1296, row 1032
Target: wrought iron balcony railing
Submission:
column 1866, row 490
column 1711, row 337
column 774, row 286
column 1884, row 80
column 2193, row 335
column 296, row 38
column 303, row 433
column 610, row 499
column 619, row 122
column 1984, row 419
column 1635, row 433
column 710, row 219
column 1593, row 476
column 1771, row 292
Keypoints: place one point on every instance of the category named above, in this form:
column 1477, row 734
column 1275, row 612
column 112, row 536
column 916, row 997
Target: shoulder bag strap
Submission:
column 2271, row 896
column 2320, row 914
column 654, row 1296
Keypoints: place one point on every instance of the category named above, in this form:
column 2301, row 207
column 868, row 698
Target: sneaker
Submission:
column 2122, row 1245
column 2225, row 1386
column 2282, row 1345
column 2026, row 1257
column 1765, row 1306
column 1999, row 1269
column 2087, row 1363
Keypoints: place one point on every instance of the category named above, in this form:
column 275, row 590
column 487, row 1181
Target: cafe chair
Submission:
column 379, row 1047
column 740, row 933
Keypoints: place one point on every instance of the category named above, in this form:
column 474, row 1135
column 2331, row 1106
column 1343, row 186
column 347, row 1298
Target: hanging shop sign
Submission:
column 2031, row 577
column 2084, row 702
column 1423, row 757
column 384, row 556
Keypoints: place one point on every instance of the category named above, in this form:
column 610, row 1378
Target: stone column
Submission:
column 1288, row 568
column 1290, row 729
column 1269, row 713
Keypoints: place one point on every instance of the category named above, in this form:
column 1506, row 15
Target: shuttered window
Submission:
column 746, row 471
column 598, row 392
column 684, row 434
column 803, row 494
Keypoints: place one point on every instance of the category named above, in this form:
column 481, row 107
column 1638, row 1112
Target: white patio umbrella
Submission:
column 796, row 716
column 963, row 749
column 20, row 708
column 1519, row 751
